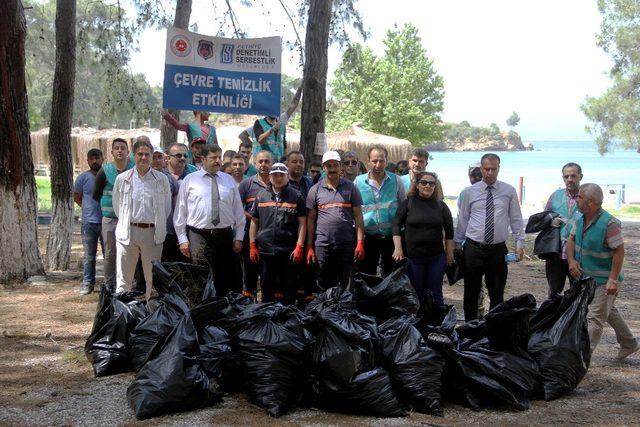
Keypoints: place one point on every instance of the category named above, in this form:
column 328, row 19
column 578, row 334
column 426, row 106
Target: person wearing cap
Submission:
column 198, row 128
column 249, row 190
column 157, row 162
column 276, row 235
column 270, row 132
column 381, row 193
column 209, row 221
column 142, row 203
column 335, row 228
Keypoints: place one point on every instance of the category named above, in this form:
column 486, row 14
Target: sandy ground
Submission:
column 45, row 378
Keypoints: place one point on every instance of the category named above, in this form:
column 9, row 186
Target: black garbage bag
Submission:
column 332, row 297
column 471, row 332
column 540, row 221
column 480, row 377
column 221, row 311
column 415, row 369
column 561, row 348
column 116, row 316
column 455, row 271
column 345, row 342
column 273, row 348
column 439, row 319
column 548, row 312
column 153, row 329
column 368, row 393
column 507, row 324
column 217, row 358
column 172, row 380
column 192, row 279
column 548, row 244
column 385, row 298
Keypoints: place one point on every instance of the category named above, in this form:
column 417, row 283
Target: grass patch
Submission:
column 627, row 211
column 73, row 356
column 43, row 185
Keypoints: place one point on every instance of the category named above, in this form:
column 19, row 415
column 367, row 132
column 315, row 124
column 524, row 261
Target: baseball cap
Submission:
column 198, row 140
column 278, row 168
column 330, row 155
column 157, row 149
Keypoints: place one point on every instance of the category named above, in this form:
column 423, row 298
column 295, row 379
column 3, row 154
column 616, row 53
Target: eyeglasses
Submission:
column 179, row 156
column 350, row 162
column 427, row 183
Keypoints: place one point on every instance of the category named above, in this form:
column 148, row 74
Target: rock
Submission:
column 38, row 281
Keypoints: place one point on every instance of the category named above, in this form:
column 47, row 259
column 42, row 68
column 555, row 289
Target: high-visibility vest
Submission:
column 106, row 201
column 378, row 213
column 560, row 205
column 274, row 144
column 591, row 252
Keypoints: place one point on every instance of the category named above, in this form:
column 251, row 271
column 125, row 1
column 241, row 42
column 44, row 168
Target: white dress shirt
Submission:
column 142, row 197
column 472, row 210
column 193, row 206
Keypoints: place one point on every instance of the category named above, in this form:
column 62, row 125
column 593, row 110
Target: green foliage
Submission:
column 398, row 94
column 463, row 131
column 615, row 115
column 106, row 92
column 513, row 119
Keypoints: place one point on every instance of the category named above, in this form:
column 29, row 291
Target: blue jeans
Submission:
column 91, row 234
column 426, row 274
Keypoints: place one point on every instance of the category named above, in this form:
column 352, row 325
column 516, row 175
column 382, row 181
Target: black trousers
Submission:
column 335, row 265
column 215, row 251
column 171, row 250
column 250, row 270
column 278, row 278
column 377, row 246
column 487, row 261
column 557, row 271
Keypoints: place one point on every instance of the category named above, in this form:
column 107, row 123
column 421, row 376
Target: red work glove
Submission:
column 296, row 255
column 311, row 255
column 254, row 253
column 359, row 253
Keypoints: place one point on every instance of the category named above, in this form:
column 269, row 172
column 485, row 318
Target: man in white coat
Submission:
column 142, row 202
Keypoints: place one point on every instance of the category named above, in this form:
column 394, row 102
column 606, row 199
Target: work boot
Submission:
column 86, row 288
column 623, row 353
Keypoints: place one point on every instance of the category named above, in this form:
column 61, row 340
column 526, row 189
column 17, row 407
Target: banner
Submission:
column 238, row 76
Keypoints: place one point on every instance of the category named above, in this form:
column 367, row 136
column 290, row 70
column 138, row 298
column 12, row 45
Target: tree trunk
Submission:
column 315, row 76
column 168, row 135
column 19, row 254
column 61, row 229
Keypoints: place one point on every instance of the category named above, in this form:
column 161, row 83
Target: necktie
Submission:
column 215, row 201
column 489, row 214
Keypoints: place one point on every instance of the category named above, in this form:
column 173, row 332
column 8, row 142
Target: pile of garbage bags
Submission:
column 378, row 351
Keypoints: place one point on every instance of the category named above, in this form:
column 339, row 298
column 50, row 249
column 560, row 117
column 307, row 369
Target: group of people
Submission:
column 264, row 224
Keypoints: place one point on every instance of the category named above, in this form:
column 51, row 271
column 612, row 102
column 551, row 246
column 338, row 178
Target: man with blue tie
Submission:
column 487, row 210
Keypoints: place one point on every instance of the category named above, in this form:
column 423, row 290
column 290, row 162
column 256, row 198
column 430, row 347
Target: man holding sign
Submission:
column 271, row 131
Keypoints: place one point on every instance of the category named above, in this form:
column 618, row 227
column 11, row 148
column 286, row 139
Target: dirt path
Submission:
column 45, row 378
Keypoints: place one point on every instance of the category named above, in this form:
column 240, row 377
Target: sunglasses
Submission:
column 427, row 183
column 350, row 162
column 179, row 156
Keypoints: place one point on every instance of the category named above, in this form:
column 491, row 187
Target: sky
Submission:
column 538, row 58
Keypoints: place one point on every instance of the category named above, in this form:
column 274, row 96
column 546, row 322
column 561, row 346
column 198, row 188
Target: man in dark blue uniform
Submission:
column 249, row 189
column 276, row 236
column 334, row 221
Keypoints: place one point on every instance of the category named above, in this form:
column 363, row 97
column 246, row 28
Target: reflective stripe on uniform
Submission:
column 334, row 205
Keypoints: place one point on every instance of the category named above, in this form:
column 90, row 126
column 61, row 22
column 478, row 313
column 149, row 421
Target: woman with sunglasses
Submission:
column 424, row 218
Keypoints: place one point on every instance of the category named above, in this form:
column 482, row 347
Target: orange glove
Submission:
column 359, row 253
column 311, row 255
column 254, row 253
column 296, row 255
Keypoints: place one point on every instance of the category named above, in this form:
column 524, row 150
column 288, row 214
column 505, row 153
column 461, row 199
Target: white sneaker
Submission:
column 623, row 353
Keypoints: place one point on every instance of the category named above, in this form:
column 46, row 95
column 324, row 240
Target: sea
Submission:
column 541, row 170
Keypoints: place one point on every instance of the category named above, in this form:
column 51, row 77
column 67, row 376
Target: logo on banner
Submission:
column 205, row 49
column 180, row 46
column 226, row 57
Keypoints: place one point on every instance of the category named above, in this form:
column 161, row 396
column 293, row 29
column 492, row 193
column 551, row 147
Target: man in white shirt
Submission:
column 142, row 203
column 209, row 221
